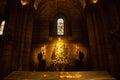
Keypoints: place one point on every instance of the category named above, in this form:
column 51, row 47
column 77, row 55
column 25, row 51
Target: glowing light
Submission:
column 58, row 58
column 43, row 50
column 59, row 48
column 45, row 75
column 69, row 76
column 24, row 2
column 94, row 1
column 2, row 27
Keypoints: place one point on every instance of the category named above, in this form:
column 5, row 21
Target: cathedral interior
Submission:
column 59, row 35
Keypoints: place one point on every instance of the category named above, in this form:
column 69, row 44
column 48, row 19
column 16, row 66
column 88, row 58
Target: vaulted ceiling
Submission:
column 50, row 3
column 37, row 2
column 47, row 10
column 52, row 7
column 67, row 6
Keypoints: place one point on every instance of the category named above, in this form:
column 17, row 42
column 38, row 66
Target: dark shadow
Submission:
column 42, row 63
column 79, row 65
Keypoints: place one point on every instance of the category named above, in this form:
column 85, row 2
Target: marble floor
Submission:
column 82, row 75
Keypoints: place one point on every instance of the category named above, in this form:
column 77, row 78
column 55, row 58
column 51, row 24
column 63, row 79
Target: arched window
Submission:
column 60, row 26
column 2, row 25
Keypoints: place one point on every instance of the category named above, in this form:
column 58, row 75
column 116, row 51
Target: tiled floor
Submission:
column 82, row 75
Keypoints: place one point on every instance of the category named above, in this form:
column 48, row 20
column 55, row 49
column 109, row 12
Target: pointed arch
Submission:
column 55, row 21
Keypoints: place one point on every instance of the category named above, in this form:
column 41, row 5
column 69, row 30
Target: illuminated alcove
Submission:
column 60, row 51
column 48, row 38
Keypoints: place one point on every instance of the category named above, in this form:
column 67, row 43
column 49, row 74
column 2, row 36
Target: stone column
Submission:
column 95, row 36
column 9, row 55
column 27, row 23
column 92, row 37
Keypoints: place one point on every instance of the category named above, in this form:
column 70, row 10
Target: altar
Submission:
column 81, row 75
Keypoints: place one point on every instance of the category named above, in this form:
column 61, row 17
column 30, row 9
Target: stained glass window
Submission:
column 60, row 26
column 2, row 27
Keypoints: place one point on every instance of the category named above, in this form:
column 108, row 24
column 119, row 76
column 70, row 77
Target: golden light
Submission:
column 69, row 76
column 94, row 1
column 59, row 49
column 43, row 50
column 58, row 57
column 24, row 2
column 45, row 75
column 2, row 27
